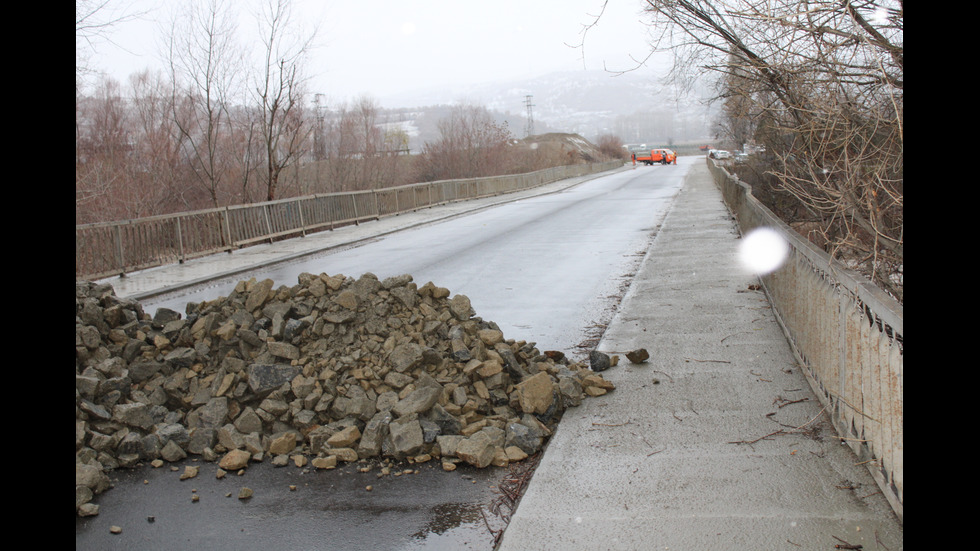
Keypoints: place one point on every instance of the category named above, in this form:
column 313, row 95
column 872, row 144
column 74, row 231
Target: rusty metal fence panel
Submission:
column 848, row 336
column 114, row 248
column 202, row 232
column 285, row 217
column 145, row 241
column 95, row 250
column 320, row 212
column 366, row 205
column 142, row 243
column 337, row 209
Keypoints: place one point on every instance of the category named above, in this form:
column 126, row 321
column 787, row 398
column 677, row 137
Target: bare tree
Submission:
column 94, row 21
column 246, row 144
column 471, row 144
column 612, row 147
column 130, row 159
column 341, row 150
column 96, row 146
column 371, row 138
column 203, row 66
column 101, row 144
column 280, row 91
column 820, row 84
column 156, row 165
column 360, row 151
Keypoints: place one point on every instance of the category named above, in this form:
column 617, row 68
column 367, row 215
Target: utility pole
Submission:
column 318, row 130
column 529, row 129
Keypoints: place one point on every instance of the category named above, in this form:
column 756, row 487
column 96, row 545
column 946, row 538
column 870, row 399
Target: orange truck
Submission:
column 662, row 156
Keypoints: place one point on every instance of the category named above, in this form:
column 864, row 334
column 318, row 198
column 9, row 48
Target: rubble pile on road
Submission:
column 334, row 369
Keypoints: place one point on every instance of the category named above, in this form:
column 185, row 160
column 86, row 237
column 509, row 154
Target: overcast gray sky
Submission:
column 385, row 47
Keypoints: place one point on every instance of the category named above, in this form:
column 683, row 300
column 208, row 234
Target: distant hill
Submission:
column 633, row 106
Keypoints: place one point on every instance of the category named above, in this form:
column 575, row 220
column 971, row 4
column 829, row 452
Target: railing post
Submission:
column 120, row 257
column 226, row 218
column 180, row 243
column 299, row 202
column 268, row 223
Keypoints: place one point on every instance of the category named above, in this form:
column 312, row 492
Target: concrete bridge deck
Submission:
column 715, row 442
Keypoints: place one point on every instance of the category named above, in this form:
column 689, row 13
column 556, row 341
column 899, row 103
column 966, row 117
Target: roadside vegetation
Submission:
column 228, row 123
column 815, row 91
column 133, row 160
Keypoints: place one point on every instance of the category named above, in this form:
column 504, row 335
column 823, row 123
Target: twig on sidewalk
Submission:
column 878, row 541
column 844, row 545
column 513, row 485
column 780, row 431
column 707, row 361
column 786, row 402
column 666, row 375
column 608, row 425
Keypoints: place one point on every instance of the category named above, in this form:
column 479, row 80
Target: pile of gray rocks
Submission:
column 334, row 369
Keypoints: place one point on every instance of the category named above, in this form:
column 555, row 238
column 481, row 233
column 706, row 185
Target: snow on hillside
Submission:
column 633, row 106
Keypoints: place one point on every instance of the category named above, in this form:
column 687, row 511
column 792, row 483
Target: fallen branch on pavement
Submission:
column 780, row 431
column 844, row 545
column 513, row 485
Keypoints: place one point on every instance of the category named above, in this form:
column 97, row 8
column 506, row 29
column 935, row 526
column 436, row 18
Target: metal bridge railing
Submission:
column 115, row 248
column 846, row 333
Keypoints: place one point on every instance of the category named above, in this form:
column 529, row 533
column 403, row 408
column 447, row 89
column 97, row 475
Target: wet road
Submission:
column 548, row 269
column 542, row 268
column 295, row 508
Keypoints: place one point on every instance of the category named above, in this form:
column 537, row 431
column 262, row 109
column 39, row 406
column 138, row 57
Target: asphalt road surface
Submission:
column 548, row 269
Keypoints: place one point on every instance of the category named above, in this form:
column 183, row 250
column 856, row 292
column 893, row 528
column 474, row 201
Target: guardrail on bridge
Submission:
column 115, row 248
column 846, row 333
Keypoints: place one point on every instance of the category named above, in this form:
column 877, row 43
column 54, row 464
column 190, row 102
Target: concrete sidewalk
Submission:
column 717, row 441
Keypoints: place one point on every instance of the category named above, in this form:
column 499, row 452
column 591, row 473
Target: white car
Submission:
column 720, row 154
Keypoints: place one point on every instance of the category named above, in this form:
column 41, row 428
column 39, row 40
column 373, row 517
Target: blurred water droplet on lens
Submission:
column 763, row 251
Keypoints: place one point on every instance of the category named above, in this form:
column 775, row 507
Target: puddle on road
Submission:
column 456, row 526
column 448, row 516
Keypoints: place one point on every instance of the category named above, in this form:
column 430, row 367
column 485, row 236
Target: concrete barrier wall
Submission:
column 115, row 248
column 847, row 335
